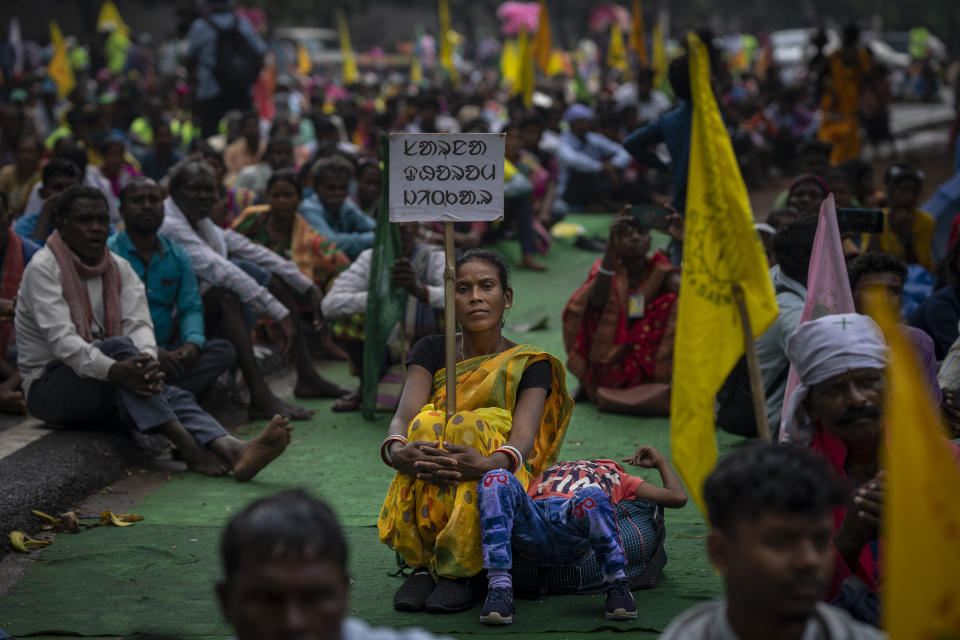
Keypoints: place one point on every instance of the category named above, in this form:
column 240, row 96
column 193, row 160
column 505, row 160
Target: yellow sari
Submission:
column 439, row 526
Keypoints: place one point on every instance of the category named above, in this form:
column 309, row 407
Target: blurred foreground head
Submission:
column 285, row 570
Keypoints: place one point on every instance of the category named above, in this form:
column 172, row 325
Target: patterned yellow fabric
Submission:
column 439, row 527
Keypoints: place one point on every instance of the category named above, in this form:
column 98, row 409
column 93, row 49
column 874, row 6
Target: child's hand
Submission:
column 646, row 457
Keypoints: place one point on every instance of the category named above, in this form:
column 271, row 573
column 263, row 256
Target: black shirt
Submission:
column 430, row 353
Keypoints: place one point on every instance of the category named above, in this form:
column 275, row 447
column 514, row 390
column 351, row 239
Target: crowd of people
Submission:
column 168, row 218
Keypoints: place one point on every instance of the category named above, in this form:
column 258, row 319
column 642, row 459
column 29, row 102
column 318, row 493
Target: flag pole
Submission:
column 450, row 318
column 753, row 366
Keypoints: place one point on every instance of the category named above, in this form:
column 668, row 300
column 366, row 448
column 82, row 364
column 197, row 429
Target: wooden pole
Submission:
column 753, row 365
column 450, row 318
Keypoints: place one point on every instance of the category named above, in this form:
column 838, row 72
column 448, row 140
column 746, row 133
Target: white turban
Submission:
column 824, row 348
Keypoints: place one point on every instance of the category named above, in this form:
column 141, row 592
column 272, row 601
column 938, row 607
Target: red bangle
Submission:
column 385, row 446
column 513, row 455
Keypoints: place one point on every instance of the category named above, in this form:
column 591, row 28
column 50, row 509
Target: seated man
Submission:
column 285, row 574
column 886, row 273
column 837, row 410
column 65, row 149
column 770, row 514
column 331, row 213
column 590, row 163
column 248, row 149
column 792, row 246
column 87, row 354
column 567, row 511
column 58, row 176
column 227, row 289
column 15, row 253
column 420, row 273
column 908, row 231
column 187, row 358
column 618, row 326
column 278, row 155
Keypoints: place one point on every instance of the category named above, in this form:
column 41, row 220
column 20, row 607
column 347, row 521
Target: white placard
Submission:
column 455, row 177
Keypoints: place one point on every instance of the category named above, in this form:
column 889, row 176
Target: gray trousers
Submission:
column 216, row 356
column 62, row 397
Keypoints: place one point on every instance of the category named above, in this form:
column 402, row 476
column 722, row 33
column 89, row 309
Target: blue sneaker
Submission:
column 619, row 604
column 498, row 609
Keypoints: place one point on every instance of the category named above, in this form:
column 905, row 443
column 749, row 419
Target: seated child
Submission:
column 566, row 512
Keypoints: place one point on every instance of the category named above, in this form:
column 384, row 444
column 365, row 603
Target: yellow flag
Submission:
column 542, row 43
column 616, row 53
column 921, row 520
column 446, row 38
column 659, row 55
column 59, row 68
column 721, row 250
column 559, row 64
column 304, row 65
column 525, row 73
column 109, row 19
column 350, row 72
column 638, row 39
column 508, row 64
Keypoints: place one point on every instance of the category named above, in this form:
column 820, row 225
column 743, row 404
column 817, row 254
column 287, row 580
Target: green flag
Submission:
column 385, row 303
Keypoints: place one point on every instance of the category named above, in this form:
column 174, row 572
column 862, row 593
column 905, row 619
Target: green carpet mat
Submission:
column 157, row 577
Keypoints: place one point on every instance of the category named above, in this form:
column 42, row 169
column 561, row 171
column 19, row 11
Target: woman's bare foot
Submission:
column 529, row 262
column 349, row 402
column 12, row 401
column 273, row 406
column 204, row 461
column 318, row 388
column 254, row 455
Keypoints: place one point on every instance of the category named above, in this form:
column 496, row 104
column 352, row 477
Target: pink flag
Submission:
column 828, row 292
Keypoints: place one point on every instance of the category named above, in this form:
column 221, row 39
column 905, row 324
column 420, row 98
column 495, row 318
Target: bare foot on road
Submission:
column 254, row 455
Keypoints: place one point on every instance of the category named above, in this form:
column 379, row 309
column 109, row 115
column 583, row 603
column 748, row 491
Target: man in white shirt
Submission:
column 224, row 261
column 420, row 272
column 87, row 353
column 590, row 163
column 649, row 103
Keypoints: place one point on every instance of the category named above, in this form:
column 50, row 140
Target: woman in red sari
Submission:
column 618, row 327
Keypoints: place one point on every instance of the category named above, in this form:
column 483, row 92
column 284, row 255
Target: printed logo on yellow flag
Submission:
column 721, row 250
column 921, row 524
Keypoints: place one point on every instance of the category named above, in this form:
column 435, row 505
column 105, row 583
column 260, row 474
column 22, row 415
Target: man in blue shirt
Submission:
column 212, row 100
column 331, row 214
column 672, row 129
column 188, row 359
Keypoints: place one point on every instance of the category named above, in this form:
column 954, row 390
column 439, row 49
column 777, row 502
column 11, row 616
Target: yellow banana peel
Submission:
column 24, row 543
column 119, row 519
column 64, row 523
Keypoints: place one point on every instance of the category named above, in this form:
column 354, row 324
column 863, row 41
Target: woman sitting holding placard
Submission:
column 512, row 413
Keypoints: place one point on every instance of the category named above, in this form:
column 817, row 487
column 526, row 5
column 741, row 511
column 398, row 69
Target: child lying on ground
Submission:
column 566, row 512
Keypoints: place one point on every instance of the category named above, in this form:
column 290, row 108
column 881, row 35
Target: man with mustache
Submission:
column 836, row 410
column 770, row 512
